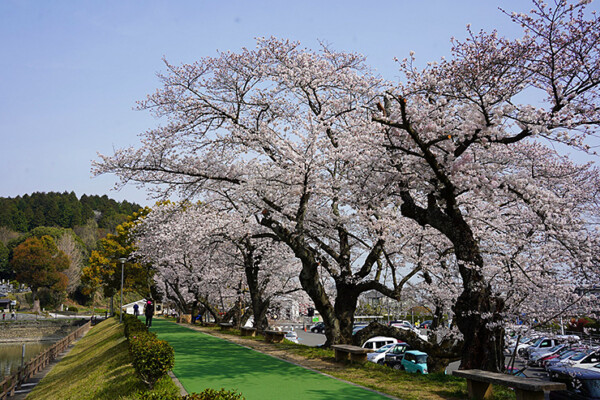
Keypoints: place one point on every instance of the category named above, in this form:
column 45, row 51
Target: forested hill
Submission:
column 23, row 213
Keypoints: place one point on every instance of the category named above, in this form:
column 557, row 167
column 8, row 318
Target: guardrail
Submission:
column 13, row 382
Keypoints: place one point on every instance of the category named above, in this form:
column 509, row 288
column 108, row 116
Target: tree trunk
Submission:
column 477, row 310
column 309, row 279
column 477, row 314
column 259, row 310
column 36, row 301
column 259, row 305
column 345, row 307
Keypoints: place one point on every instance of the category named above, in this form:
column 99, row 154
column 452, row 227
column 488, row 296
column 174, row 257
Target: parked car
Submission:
column 415, row 361
column 565, row 357
column 524, row 342
column 401, row 324
column 541, row 343
column 357, row 327
column 378, row 356
column 582, row 359
column 291, row 336
column 581, row 383
column 536, row 357
column 319, row 327
column 393, row 358
column 378, row 342
column 408, row 360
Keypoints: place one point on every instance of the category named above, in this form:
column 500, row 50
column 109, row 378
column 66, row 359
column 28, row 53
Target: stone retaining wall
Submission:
column 24, row 331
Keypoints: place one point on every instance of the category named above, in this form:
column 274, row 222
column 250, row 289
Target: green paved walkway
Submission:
column 203, row 361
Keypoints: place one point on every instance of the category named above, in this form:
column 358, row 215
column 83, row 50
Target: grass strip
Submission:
column 204, row 361
column 97, row 368
column 407, row 386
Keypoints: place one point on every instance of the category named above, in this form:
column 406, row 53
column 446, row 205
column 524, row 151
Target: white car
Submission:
column 378, row 356
column 378, row 341
column 402, row 324
column 291, row 336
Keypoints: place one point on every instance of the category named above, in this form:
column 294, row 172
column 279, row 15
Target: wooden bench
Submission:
column 343, row 352
column 248, row 331
column 226, row 326
column 274, row 336
column 479, row 384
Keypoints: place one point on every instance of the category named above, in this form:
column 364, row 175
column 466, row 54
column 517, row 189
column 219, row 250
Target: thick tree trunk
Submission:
column 345, row 307
column 309, row 279
column 36, row 301
column 259, row 310
column 477, row 314
column 477, row 310
column 338, row 320
column 260, row 306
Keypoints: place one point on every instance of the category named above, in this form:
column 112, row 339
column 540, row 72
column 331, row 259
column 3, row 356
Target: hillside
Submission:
column 64, row 210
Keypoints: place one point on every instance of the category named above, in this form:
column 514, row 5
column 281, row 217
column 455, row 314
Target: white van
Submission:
column 378, row 341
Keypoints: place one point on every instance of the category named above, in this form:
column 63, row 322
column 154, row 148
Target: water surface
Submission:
column 11, row 354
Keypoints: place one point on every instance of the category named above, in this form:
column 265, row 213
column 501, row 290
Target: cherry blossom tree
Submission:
column 371, row 184
column 470, row 164
column 238, row 248
column 185, row 272
column 277, row 133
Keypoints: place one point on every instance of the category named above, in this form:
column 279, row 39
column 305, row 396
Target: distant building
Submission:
column 141, row 303
column 5, row 304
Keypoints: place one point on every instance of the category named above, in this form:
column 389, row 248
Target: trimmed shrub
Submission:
column 133, row 325
column 212, row 394
column 151, row 358
column 72, row 308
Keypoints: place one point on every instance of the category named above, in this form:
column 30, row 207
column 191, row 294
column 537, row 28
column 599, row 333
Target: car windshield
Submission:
column 384, row 348
column 537, row 342
column 421, row 359
column 578, row 356
column 567, row 353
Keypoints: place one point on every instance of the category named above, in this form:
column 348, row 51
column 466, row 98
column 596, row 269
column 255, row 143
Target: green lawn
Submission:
column 97, row 368
column 203, row 361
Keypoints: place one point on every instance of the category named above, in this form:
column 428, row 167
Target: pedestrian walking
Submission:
column 136, row 310
column 149, row 312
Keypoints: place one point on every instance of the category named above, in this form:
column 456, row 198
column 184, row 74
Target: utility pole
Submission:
column 122, row 260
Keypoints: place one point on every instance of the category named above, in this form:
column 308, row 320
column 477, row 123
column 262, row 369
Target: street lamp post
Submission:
column 122, row 260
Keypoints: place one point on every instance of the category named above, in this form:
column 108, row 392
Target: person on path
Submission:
column 136, row 310
column 149, row 312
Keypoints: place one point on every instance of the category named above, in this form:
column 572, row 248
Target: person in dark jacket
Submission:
column 149, row 312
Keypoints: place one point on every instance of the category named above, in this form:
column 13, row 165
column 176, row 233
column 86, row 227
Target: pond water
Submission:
column 10, row 355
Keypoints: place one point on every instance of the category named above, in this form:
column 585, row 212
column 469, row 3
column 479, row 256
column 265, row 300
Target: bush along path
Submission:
column 204, row 361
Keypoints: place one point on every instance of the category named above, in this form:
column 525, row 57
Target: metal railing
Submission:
column 13, row 382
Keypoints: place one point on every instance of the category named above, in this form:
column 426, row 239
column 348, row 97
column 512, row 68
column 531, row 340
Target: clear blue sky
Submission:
column 71, row 71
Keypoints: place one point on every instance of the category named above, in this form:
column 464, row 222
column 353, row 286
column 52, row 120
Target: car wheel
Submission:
column 313, row 330
column 380, row 362
column 397, row 366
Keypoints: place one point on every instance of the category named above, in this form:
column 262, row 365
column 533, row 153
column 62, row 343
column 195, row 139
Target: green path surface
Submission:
column 204, row 361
